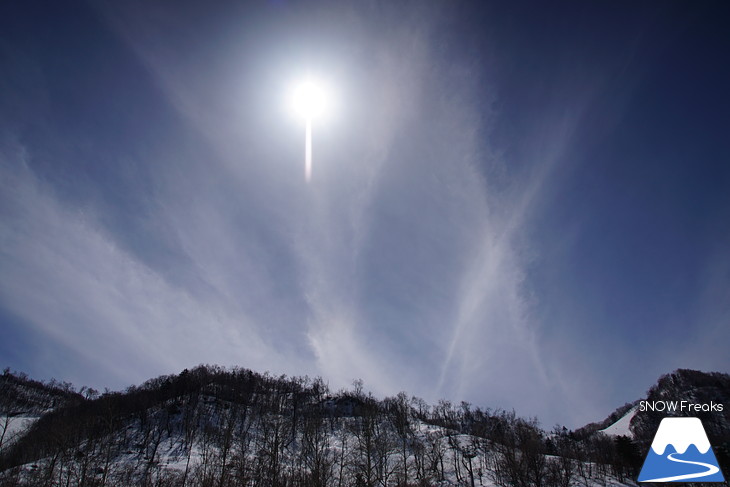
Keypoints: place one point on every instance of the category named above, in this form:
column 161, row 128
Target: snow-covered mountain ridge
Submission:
column 212, row 426
column 638, row 420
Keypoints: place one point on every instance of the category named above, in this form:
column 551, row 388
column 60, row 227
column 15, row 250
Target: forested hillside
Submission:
column 211, row 426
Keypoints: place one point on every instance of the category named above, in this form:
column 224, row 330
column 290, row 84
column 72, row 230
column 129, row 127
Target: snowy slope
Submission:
column 172, row 461
column 13, row 427
column 621, row 427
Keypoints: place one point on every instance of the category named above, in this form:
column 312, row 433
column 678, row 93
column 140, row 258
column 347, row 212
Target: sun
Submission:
column 310, row 99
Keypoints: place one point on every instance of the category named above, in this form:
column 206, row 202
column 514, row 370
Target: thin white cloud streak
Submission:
column 330, row 246
column 497, row 342
column 69, row 280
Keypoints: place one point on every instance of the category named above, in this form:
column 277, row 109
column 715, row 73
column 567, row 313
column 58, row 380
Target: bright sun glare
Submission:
column 310, row 99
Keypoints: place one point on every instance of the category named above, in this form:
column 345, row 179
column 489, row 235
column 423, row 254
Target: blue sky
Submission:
column 522, row 206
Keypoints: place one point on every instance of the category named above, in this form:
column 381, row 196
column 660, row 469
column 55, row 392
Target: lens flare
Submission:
column 310, row 100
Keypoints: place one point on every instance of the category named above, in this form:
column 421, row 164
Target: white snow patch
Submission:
column 621, row 427
column 14, row 427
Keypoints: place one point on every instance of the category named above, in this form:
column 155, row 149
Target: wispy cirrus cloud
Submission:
column 69, row 279
column 398, row 264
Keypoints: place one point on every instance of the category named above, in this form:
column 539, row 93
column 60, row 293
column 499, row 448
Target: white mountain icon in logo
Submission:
column 680, row 452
